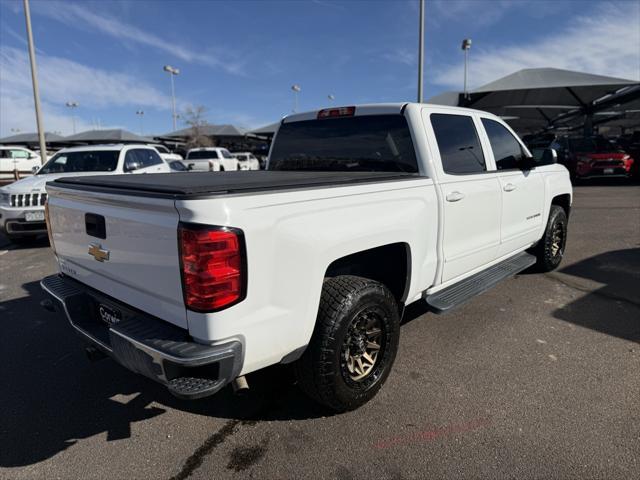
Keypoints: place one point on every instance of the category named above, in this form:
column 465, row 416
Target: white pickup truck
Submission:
column 198, row 280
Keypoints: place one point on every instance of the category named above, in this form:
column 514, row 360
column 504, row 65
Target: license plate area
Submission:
column 109, row 315
column 608, row 171
column 37, row 216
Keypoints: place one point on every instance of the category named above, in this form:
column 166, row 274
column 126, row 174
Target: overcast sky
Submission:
column 239, row 59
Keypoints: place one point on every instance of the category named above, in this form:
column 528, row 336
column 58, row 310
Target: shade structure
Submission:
column 209, row 131
column 267, row 130
column 546, row 98
column 107, row 136
column 31, row 139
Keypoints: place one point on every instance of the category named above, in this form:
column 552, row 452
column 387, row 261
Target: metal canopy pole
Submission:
column 421, row 52
column 34, row 79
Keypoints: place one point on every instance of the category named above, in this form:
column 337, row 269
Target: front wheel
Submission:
column 353, row 345
column 550, row 249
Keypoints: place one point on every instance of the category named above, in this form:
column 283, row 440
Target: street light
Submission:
column 296, row 89
column 34, row 80
column 466, row 45
column 172, row 71
column 140, row 113
column 73, row 106
column 331, row 97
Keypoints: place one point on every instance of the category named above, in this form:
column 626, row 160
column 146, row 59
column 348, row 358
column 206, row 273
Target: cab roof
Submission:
column 107, row 147
column 376, row 109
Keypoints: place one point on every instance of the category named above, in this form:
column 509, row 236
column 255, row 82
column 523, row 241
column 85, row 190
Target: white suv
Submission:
column 17, row 158
column 22, row 202
column 211, row 160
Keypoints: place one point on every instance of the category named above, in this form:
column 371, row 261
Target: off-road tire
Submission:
column 321, row 372
column 548, row 253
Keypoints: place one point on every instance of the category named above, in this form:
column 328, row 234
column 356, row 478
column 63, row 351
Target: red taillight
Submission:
column 213, row 267
column 337, row 112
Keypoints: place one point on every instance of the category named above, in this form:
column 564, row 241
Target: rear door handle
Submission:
column 455, row 196
column 509, row 187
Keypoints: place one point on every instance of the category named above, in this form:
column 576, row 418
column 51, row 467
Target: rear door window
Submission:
column 506, row 149
column 458, row 143
column 369, row 143
column 146, row 157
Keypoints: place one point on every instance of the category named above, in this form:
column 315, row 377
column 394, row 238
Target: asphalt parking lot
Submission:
column 538, row 378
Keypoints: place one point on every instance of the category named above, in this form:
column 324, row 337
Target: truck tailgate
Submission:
column 134, row 259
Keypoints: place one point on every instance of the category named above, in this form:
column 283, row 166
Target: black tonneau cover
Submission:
column 190, row 184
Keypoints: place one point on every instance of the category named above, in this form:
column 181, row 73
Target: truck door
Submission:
column 471, row 195
column 522, row 190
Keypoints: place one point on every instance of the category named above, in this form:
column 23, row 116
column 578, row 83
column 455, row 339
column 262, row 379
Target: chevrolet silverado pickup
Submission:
column 196, row 280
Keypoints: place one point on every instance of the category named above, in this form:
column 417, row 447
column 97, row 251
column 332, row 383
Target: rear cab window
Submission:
column 202, row 155
column 459, row 144
column 369, row 143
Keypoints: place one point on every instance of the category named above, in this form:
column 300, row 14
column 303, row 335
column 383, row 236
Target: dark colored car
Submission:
column 587, row 157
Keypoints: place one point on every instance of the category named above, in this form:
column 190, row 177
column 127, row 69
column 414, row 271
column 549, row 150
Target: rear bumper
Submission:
column 145, row 344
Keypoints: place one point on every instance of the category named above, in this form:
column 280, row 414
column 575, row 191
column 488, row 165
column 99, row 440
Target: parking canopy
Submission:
column 107, row 136
column 31, row 139
column 267, row 130
column 545, row 98
column 209, row 131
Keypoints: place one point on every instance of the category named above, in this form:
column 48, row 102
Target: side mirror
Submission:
column 131, row 165
column 34, row 169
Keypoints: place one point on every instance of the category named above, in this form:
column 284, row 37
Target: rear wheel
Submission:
column 550, row 250
column 354, row 343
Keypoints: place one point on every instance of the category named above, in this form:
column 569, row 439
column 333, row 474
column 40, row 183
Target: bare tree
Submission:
column 194, row 117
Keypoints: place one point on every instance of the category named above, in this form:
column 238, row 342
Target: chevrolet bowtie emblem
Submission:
column 97, row 252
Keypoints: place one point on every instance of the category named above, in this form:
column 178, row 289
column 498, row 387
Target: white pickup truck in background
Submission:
column 211, row 159
column 198, row 280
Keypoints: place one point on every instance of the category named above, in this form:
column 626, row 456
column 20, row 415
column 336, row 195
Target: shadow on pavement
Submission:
column 619, row 314
column 53, row 395
column 28, row 242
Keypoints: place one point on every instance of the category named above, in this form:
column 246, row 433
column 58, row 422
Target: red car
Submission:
column 594, row 157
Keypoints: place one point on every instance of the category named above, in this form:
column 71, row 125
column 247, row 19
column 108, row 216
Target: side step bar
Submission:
column 461, row 292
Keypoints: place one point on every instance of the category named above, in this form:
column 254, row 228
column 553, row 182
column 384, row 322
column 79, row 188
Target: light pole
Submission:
column 466, row 45
column 140, row 114
column 34, row 80
column 296, row 89
column 331, row 98
column 172, row 71
column 421, row 51
column 73, row 106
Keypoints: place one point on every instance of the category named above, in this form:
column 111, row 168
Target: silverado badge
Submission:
column 97, row 252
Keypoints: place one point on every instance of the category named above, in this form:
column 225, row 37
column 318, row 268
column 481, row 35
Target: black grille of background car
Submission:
column 28, row 200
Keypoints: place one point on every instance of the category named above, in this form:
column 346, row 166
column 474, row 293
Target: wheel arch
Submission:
column 564, row 201
column 388, row 264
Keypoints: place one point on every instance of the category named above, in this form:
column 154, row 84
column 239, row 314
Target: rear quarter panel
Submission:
column 291, row 239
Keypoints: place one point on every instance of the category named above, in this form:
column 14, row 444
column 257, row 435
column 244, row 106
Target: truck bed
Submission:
column 190, row 185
